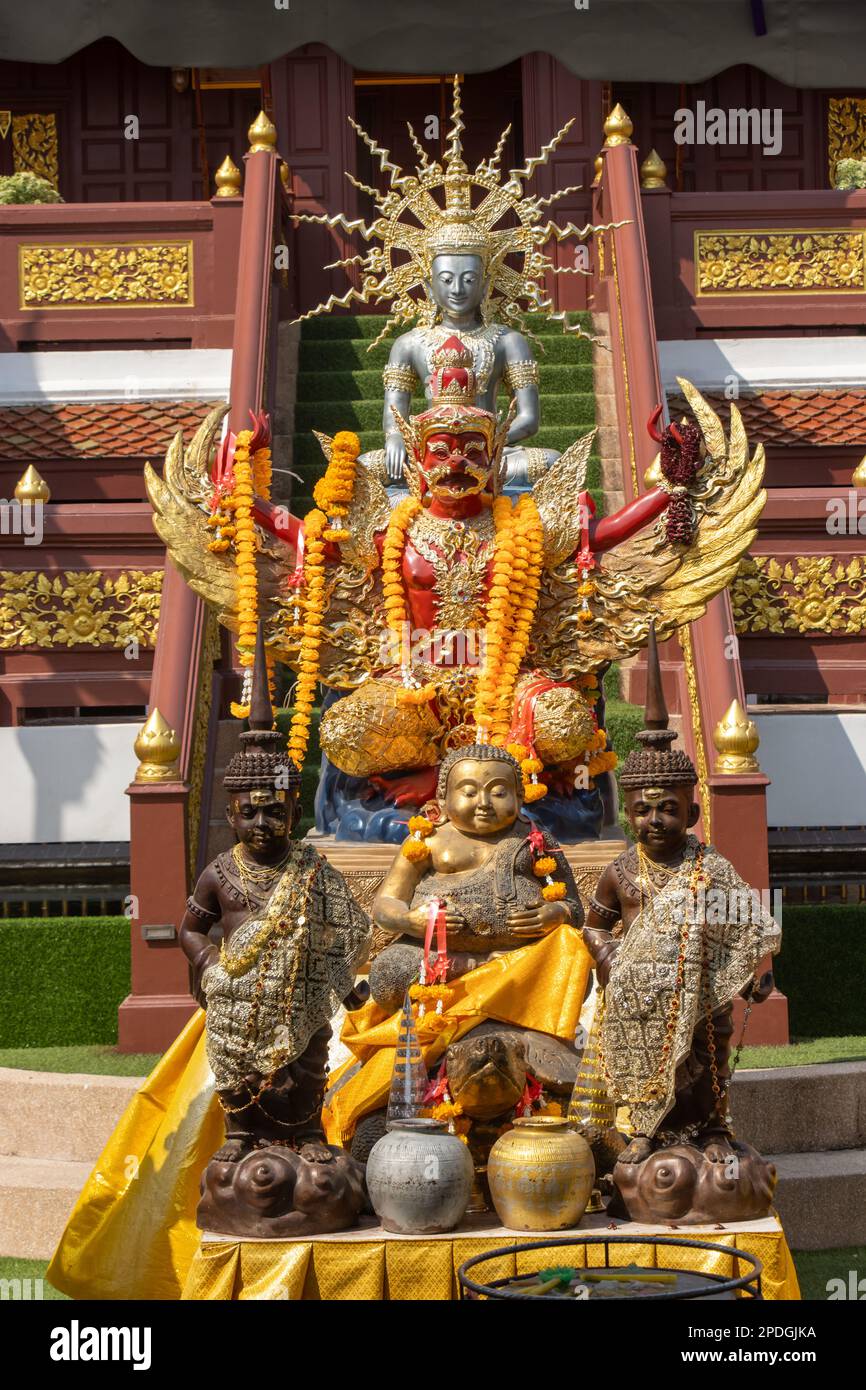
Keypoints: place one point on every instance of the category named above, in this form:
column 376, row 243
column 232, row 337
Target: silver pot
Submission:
column 419, row 1177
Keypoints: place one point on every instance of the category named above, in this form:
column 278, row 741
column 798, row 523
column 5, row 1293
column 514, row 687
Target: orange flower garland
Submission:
column 517, row 566
column 315, row 529
column 333, row 493
column 396, row 611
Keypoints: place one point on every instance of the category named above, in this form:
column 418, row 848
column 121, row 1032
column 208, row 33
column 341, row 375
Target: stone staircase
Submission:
column 811, row 1122
column 52, row 1129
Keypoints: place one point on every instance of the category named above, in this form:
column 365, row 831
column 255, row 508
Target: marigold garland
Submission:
column 396, row 611
column 333, row 493
column 313, row 605
column 414, row 847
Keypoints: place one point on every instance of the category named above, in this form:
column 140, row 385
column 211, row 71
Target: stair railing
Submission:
column 169, row 799
column 709, row 679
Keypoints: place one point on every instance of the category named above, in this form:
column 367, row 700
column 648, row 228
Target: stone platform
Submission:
column 367, row 1263
column 810, row 1121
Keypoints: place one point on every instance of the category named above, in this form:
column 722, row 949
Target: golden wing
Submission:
column 180, row 515
column 646, row 579
column 557, row 496
column 180, row 501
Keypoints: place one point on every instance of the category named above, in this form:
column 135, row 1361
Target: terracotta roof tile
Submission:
column 96, row 429
column 820, row 417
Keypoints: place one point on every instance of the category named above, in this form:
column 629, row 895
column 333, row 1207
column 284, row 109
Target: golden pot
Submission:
column 541, row 1175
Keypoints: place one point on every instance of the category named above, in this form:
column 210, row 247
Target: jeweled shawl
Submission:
column 642, row 980
column 313, row 936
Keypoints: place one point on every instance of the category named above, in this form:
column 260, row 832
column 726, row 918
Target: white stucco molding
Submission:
column 764, row 363
column 44, row 378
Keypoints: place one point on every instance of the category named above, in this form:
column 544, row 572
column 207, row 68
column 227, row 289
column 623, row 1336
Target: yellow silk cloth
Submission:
column 541, row 986
column 132, row 1232
column 393, row 1268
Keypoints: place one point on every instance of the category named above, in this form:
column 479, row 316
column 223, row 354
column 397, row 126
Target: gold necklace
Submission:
column 459, row 554
column 257, row 875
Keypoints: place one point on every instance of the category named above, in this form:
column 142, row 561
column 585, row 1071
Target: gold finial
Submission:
column 32, row 487
column 617, row 128
column 228, row 179
column 262, row 134
column 598, row 166
column 736, row 740
column 653, row 171
column 157, row 749
column 654, row 477
column 858, row 477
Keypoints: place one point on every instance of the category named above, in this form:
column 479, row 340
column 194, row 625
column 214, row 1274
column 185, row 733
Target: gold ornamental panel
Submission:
column 104, row 275
column 34, row 146
column 79, row 608
column 809, row 261
column 808, row 593
column 846, row 131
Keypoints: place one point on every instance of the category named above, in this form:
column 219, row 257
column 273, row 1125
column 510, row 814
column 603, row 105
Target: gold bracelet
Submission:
column 400, row 379
column 519, row 374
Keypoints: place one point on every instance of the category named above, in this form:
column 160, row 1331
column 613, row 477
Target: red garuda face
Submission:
column 456, row 463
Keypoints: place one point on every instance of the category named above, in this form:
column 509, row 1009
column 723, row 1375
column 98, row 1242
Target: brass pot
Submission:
column 541, row 1174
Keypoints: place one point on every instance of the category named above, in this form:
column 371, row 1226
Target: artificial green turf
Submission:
column 815, row 1268
column 62, row 979
column 90, row 1059
column 820, row 969
column 804, row 1052
column 30, row 1269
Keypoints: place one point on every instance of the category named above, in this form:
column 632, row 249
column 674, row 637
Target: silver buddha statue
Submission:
column 450, row 277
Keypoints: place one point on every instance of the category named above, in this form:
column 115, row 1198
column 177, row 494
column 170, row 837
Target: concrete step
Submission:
column 36, row 1197
column 58, row 1116
column 821, row 1199
column 801, row 1110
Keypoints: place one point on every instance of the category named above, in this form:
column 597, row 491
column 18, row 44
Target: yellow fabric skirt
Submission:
column 132, row 1232
column 541, row 986
column 407, row 1268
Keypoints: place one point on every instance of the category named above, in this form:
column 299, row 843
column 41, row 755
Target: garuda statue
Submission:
column 459, row 613
column 449, row 267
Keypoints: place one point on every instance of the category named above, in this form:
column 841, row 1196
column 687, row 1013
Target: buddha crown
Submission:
column 656, row 763
column 262, row 762
column 413, row 227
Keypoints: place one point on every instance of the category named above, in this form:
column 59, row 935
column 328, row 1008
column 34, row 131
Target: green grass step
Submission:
column 361, row 385
column 350, row 354
column 577, row 410
column 337, row 325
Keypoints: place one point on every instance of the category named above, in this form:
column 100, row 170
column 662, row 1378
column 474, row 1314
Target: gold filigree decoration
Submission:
column 846, row 131
column 106, row 275
column 34, row 146
column 210, row 645
column 684, row 637
column 459, row 553
column 808, row 593
column 79, row 608
column 810, row 261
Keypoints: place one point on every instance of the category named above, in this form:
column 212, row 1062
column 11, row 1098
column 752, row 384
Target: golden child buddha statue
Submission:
column 676, row 934
column 484, row 916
